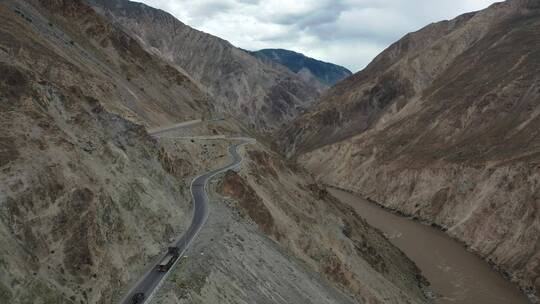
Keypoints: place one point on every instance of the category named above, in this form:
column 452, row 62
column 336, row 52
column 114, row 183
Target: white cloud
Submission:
column 347, row 32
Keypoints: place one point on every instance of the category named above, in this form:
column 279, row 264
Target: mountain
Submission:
column 444, row 125
column 82, row 181
column 263, row 97
column 89, row 199
column 327, row 73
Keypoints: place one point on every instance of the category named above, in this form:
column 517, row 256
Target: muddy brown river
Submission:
column 456, row 275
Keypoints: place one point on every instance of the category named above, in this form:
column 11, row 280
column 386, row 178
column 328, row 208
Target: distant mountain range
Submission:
column 327, row 73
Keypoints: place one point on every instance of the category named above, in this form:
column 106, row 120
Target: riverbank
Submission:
column 457, row 275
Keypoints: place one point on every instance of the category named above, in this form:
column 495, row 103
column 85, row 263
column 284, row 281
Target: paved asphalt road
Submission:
column 159, row 131
column 151, row 281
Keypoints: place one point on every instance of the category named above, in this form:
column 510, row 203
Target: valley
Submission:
column 151, row 281
column 443, row 126
column 456, row 275
column 145, row 161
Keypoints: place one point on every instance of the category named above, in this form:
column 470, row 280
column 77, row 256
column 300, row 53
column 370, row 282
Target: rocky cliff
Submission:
column 444, row 125
column 327, row 73
column 263, row 97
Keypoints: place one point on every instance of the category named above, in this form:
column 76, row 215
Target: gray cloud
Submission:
column 211, row 8
column 346, row 32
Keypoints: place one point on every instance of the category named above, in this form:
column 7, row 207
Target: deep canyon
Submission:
column 442, row 127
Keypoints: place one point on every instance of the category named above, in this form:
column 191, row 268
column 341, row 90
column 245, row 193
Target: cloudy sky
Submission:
column 347, row 32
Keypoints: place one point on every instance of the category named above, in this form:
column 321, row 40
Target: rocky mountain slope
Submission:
column 82, row 184
column 327, row 73
column 88, row 199
column 149, row 90
column 263, row 97
column 444, row 125
column 288, row 240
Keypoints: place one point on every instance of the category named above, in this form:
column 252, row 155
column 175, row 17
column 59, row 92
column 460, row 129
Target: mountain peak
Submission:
column 325, row 72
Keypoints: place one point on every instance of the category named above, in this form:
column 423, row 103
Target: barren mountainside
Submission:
column 445, row 125
column 275, row 236
column 262, row 96
column 80, row 182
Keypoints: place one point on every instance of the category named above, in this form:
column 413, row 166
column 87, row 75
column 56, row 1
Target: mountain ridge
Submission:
column 443, row 126
column 327, row 73
column 262, row 96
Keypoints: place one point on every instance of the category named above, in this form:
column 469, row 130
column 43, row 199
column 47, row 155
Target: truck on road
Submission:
column 138, row 298
column 171, row 257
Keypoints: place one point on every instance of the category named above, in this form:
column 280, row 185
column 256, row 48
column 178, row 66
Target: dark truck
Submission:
column 168, row 261
column 137, row 298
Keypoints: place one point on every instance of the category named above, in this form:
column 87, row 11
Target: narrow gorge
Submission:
column 415, row 180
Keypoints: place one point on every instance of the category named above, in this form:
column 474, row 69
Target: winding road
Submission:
column 152, row 279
